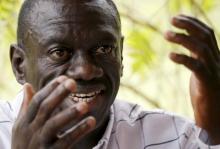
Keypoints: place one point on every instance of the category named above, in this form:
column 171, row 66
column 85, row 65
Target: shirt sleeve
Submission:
column 187, row 134
column 5, row 138
column 5, row 125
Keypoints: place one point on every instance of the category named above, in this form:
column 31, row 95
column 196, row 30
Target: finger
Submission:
column 40, row 96
column 198, row 49
column 194, row 65
column 191, row 26
column 198, row 29
column 28, row 94
column 57, row 123
column 53, row 100
column 70, row 139
column 195, row 20
column 210, row 30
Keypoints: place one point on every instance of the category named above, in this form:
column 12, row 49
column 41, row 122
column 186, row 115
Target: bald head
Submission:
column 33, row 13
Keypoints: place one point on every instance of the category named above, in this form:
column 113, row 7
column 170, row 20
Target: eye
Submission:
column 104, row 49
column 60, row 54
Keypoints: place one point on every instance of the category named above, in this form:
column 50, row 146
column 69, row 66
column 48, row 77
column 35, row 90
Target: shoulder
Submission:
column 10, row 109
column 6, row 123
column 6, row 111
column 136, row 112
column 154, row 121
column 150, row 128
column 7, row 116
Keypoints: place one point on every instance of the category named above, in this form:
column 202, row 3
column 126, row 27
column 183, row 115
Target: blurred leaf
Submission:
column 141, row 51
column 208, row 5
column 174, row 6
column 8, row 23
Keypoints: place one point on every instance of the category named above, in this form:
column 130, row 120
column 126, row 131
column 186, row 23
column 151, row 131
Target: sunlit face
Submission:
column 81, row 41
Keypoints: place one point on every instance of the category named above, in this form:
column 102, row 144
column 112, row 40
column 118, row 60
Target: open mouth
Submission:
column 84, row 97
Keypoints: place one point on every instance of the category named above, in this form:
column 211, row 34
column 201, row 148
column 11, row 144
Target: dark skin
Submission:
column 67, row 52
column 204, row 63
column 38, row 130
column 89, row 54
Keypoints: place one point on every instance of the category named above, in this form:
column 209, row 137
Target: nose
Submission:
column 83, row 68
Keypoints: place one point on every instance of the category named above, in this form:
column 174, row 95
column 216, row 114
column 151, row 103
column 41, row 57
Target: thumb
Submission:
column 28, row 94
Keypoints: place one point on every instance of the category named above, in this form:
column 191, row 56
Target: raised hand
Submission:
column 37, row 128
column 204, row 62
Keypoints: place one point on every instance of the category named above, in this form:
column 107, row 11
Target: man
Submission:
column 69, row 59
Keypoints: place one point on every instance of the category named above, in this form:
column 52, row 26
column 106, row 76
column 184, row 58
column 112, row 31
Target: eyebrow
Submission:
column 106, row 35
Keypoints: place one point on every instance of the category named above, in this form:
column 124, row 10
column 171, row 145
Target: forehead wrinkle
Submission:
column 64, row 13
column 54, row 29
column 58, row 21
column 76, row 18
column 106, row 34
column 72, row 17
column 86, row 10
column 102, row 8
column 46, row 10
column 74, row 26
column 39, row 11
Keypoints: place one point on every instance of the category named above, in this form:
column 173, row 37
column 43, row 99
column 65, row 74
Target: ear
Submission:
column 121, row 46
column 17, row 57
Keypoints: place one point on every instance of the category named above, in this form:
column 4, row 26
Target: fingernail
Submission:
column 172, row 55
column 82, row 107
column 28, row 91
column 175, row 19
column 26, row 97
column 70, row 85
column 25, row 91
column 169, row 34
column 91, row 122
column 61, row 79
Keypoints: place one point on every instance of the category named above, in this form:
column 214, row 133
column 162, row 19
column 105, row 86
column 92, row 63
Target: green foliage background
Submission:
column 150, row 78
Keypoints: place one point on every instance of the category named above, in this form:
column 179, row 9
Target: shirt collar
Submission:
column 103, row 143
column 16, row 104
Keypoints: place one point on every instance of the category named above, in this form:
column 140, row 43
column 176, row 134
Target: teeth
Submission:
column 76, row 99
column 92, row 94
column 79, row 97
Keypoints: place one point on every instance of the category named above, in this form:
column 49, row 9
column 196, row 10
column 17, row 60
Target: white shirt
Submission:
column 129, row 127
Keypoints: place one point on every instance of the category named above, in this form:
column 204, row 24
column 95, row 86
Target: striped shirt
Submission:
column 129, row 127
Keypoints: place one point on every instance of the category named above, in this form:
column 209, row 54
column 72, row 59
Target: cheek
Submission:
column 112, row 69
column 46, row 73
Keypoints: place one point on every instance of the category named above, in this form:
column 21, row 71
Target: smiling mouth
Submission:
column 84, row 97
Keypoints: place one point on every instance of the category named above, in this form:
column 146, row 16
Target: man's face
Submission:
column 81, row 41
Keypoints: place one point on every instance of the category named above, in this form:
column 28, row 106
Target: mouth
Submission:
column 85, row 97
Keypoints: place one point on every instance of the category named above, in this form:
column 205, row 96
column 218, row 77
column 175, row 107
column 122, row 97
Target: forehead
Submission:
column 52, row 19
column 47, row 12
